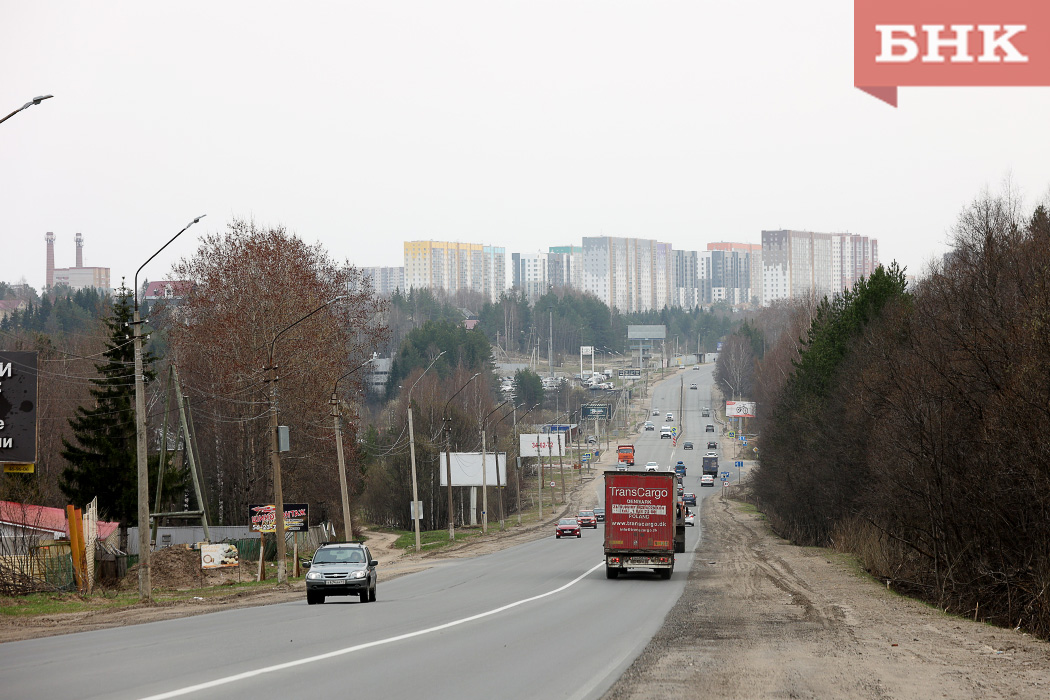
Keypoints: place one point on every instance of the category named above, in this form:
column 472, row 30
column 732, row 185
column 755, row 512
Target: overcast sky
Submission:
column 518, row 124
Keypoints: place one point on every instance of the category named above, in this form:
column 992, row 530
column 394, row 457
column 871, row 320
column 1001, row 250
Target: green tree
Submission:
column 464, row 348
column 528, row 388
column 102, row 462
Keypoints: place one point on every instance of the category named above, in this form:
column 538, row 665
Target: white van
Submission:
column 669, row 417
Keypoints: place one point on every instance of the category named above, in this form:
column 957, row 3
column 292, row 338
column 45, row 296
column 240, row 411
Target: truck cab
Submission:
column 625, row 455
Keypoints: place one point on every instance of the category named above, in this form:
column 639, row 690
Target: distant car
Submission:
column 586, row 519
column 707, row 480
column 710, row 454
column 690, row 519
column 649, row 425
column 689, row 499
column 687, row 445
column 568, row 527
column 705, row 412
column 669, row 417
column 652, row 467
column 621, row 467
column 709, row 428
column 656, row 411
column 712, row 445
column 342, row 568
column 692, row 386
column 696, row 366
column 679, row 468
column 591, row 440
column 599, row 514
column 680, row 489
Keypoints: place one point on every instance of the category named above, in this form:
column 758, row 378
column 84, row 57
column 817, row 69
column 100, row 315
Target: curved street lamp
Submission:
column 518, row 438
column 275, row 448
column 495, row 441
column 485, row 474
column 448, row 457
column 337, row 419
column 412, row 452
column 27, row 105
column 145, row 584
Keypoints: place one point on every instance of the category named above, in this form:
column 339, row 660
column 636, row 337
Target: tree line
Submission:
column 907, row 423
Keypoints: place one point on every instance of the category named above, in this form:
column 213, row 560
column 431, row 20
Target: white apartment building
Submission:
column 530, row 273
column 798, row 263
column 385, row 279
column 628, row 274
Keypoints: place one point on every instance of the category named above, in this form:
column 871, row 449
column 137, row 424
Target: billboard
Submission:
column 637, row 373
column 263, row 517
column 218, row 556
column 533, row 445
column 18, row 385
column 586, row 349
column 646, row 332
column 466, row 468
column 740, row 409
column 596, row 411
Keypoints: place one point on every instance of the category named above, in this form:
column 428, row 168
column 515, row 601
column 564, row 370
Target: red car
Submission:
column 566, row 527
column 586, row 518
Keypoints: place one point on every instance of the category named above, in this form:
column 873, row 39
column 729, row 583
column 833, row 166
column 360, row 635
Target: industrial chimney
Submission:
column 80, row 250
column 50, row 238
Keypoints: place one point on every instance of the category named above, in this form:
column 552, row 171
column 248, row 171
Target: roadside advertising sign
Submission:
column 740, row 409
column 595, row 411
column 263, row 517
column 18, row 394
column 541, row 445
column 217, row 556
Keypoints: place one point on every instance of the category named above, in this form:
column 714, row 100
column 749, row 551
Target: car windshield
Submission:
column 567, row 521
column 586, row 513
column 339, row 556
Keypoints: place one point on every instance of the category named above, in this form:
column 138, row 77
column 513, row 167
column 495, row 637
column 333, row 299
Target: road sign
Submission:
column 552, row 484
column 732, row 433
column 586, row 456
column 739, row 464
column 629, row 373
column 595, row 411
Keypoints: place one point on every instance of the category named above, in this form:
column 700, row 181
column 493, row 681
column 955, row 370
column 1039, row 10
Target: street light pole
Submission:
column 412, row 453
column 275, row 448
column 448, row 458
column 518, row 438
column 484, row 473
column 145, row 584
column 34, row 101
column 337, row 420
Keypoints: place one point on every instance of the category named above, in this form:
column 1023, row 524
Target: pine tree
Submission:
column 103, row 463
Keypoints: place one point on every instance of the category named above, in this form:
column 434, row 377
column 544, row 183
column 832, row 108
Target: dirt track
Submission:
column 760, row 618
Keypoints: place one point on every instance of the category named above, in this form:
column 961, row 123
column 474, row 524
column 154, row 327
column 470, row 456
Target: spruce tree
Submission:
column 103, row 462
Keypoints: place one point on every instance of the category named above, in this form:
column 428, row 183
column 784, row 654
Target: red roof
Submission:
column 44, row 518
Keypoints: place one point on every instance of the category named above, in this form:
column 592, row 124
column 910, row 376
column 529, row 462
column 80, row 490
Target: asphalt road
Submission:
column 536, row 620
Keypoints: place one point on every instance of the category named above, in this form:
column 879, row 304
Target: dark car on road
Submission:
column 599, row 514
column 341, row 568
column 587, row 518
column 687, row 446
column 689, row 499
column 567, row 527
column 712, row 445
column 709, row 428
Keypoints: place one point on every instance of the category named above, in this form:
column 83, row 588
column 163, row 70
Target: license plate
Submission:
column 335, row 583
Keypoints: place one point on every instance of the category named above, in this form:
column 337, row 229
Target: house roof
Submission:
column 12, row 304
column 158, row 290
column 45, row 518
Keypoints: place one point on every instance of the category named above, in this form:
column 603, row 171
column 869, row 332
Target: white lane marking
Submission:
column 368, row 645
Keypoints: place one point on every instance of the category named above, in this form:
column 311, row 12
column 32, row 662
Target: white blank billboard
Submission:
column 542, row 445
column 466, row 468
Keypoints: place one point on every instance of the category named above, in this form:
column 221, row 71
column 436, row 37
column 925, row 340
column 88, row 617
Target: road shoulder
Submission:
column 760, row 618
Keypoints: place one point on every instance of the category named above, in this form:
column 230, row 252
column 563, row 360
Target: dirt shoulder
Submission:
column 761, row 618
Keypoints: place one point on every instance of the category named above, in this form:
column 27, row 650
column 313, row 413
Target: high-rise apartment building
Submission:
column 565, row 266
column 385, row 279
column 455, row 266
column 530, row 274
column 628, row 274
column 799, row 263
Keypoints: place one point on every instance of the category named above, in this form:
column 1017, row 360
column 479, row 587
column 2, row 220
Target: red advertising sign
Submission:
column 949, row 43
column 263, row 517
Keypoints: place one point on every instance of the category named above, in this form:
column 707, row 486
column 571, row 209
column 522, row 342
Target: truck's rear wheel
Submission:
column 665, row 573
column 611, row 572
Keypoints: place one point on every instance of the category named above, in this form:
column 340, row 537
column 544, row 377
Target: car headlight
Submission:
column 357, row 574
column 314, row 575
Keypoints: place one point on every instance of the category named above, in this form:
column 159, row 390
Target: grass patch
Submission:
column 54, row 603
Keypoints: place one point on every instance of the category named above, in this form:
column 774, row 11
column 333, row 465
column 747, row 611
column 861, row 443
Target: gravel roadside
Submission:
column 761, row 618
